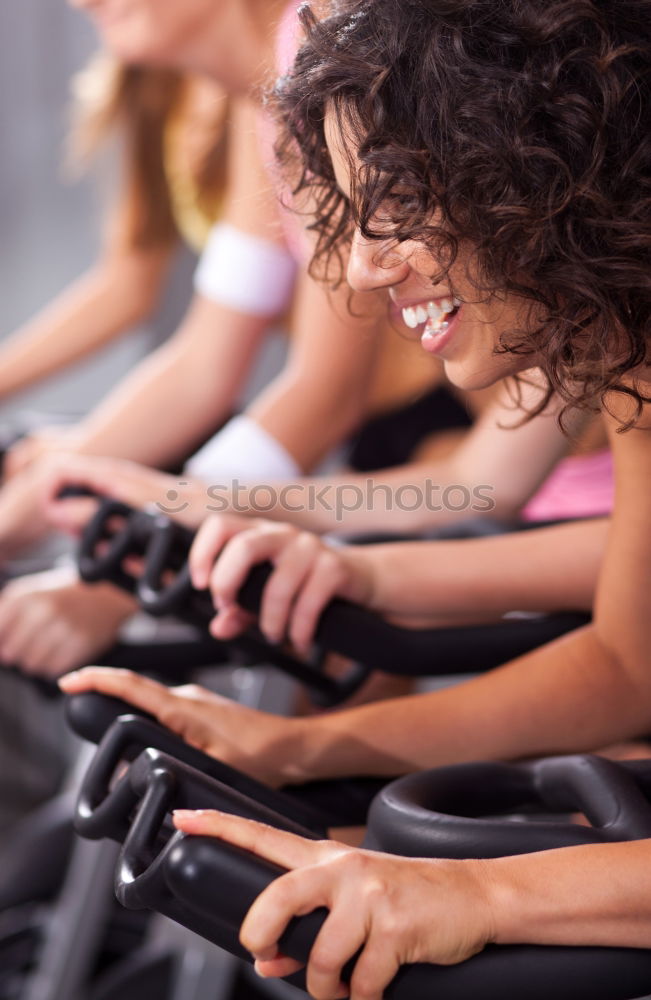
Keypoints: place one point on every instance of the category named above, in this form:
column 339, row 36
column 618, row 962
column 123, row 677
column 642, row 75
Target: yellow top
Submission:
column 191, row 131
column 403, row 371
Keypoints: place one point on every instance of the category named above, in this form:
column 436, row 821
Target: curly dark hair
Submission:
column 518, row 128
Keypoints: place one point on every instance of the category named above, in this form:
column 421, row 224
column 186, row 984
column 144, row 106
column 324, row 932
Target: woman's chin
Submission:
column 469, row 375
column 133, row 43
column 468, row 378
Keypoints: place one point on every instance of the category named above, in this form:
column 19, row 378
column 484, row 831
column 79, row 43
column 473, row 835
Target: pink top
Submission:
column 579, row 486
column 288, row 39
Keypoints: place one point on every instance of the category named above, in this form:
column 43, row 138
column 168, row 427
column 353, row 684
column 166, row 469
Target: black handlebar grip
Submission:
column 168, row 550
column 219, row 882
column 365, row 637
column 71, row 492
column 124, row 732
column 91, row 714
column 93, row 566
column 362, row 636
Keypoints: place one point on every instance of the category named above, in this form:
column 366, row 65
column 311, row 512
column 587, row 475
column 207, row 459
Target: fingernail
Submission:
column 259, row 971
column 183, row 813
column 63, row 681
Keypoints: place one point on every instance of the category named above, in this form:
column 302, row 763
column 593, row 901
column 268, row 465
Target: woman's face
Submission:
column 461, row 330
column 148, row 31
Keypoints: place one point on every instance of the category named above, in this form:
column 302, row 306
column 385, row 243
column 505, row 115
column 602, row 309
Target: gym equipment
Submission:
column 164, row 587
column 208, row 886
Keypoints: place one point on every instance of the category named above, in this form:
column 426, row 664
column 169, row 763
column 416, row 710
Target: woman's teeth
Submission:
column 433, row 313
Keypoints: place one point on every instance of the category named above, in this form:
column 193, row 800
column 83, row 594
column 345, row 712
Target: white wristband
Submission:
column 245, row 451
column 245, row 273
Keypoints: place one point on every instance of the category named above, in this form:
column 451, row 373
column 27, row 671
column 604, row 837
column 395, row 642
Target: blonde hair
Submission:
column 137, row 103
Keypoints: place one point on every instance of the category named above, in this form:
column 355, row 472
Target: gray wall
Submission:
column 49, row 226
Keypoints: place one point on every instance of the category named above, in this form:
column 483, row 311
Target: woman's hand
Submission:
column 133, row 484
column 51, row 622
column 395, row 911
column 307, row 575
column 22, row 523
column 265, row 746
column 35, row 446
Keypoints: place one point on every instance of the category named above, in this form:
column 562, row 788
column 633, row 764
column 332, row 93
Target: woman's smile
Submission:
column 436, row 315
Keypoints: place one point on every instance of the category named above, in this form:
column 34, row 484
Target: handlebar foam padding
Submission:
column 364, row 636
column 461, row 811
column 124, row 735
column 316, row 805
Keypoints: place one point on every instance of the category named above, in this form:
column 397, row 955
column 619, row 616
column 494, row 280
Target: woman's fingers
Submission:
column 72, row 514
column 231, row 622
column 61, row 471
column 374, row 969
column 362, row 925
column 319, row 587
column 244, row 550
column 278, row 967
column 293, row 554
column 210, row 540
column 133, row 484
column 293, row 566
column 139, row 691
column 339, row 940
column 282, row 848
column 306, row 575
column 292, row 895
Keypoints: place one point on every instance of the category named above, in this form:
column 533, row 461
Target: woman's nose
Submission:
column 372, row 264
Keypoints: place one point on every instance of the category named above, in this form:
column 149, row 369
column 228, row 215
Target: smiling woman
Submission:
column 498, row 151
column 463, row 332
column 510, row 133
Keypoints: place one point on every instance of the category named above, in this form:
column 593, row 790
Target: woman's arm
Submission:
column 587, row 689
column 495, row 469
column 177, row 396
column 544, row 569
column 321, row 395
column 119, row 292
column 470, row 580
column 385, row 911
column 181, row 393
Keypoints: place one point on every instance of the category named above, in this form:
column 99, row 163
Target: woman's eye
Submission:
column 401, row 200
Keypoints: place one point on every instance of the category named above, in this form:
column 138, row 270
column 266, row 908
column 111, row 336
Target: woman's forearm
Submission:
column 114, row 296
column 178, row 396
column 490, row 474
column 513, row 711
column 321, row 395
column 544, row 569
column 408, row 499
column 596, row 895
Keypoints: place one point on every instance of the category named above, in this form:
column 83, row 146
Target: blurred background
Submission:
column 50, row 222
